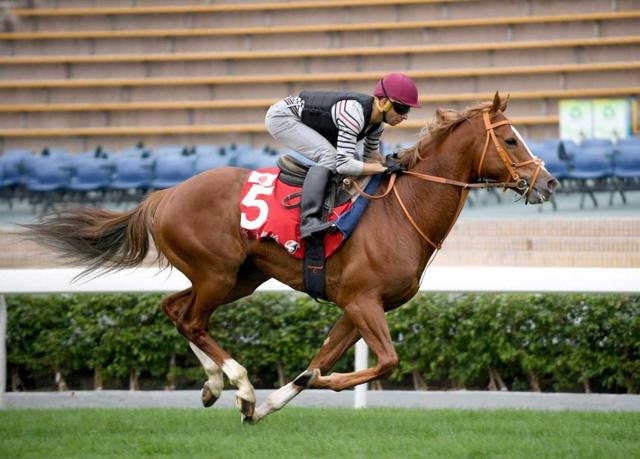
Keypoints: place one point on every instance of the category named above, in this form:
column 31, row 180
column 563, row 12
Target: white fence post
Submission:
column 3, row 349
column 361, row 363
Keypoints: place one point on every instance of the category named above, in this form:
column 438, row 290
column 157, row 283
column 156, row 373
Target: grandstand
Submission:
column 127, row 96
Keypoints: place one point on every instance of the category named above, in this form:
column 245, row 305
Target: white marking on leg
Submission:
column 276, row 400
column 237, row 375
column 215, row 382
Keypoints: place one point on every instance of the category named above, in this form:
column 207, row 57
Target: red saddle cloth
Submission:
column 265, row 213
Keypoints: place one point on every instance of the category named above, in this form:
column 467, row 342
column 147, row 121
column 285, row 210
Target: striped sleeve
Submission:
column 372, row 142
column 348, row 117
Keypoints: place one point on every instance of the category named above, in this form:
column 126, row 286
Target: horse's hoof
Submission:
column 248, row 420
column 207, row 396
column 246, row 407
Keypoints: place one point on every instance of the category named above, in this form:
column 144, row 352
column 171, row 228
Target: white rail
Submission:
column 450, row 279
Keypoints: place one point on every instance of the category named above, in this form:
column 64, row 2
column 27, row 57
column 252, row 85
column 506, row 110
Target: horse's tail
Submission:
column 99, row 238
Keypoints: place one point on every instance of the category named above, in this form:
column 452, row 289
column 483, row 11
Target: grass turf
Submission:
column 315, row 433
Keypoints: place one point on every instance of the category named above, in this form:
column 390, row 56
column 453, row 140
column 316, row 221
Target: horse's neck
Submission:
column 433, row 206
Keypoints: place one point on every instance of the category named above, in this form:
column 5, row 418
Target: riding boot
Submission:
column 311, row 202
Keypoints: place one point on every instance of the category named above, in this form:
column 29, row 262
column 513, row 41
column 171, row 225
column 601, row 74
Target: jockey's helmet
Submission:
column 398, row 88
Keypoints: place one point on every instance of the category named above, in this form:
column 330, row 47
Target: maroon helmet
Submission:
column 399, row 88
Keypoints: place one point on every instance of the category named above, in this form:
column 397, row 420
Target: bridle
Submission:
column 517, row 182
column 510, row 164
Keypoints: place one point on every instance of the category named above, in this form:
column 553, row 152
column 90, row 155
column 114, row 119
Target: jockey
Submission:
column 326, row 126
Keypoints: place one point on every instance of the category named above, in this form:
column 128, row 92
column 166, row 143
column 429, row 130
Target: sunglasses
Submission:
column 401, row 109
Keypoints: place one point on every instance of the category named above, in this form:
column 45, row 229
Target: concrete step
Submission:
column 552, row 242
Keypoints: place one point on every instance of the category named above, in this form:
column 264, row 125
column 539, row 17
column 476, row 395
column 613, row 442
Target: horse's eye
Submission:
column 511, row 142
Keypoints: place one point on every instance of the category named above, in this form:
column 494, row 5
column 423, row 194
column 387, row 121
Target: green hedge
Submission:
column 520, row 342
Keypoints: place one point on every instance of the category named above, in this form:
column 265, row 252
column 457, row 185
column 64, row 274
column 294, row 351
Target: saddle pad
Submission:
column 264, row 213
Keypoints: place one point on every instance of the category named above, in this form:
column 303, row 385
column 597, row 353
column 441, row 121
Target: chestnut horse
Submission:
column 196, row 226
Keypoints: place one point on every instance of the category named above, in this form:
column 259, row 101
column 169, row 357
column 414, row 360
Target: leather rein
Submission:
column 517, row 181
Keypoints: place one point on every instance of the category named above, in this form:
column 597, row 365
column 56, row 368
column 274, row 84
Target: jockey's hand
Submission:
column 395, row 169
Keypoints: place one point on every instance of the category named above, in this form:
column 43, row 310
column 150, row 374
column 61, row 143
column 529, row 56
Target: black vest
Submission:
column 317, row 112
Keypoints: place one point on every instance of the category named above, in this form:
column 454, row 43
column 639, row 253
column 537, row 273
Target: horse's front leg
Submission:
column 341, row 338
column 368, row 316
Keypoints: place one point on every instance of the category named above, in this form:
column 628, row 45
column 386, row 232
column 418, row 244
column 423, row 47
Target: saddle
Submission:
column 294, row 168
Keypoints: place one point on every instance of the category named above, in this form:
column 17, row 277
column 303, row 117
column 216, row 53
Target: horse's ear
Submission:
column 504, row 103
column 495, row 106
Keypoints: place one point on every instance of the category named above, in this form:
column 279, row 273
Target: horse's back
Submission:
column 199, row 219
column 209, row 191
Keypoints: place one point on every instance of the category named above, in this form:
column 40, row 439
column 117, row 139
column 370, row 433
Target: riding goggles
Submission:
column 401, row 109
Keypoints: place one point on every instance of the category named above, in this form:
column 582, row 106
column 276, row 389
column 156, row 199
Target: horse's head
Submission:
column 506, row 157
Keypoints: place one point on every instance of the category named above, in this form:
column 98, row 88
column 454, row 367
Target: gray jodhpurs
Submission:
column 288, row 129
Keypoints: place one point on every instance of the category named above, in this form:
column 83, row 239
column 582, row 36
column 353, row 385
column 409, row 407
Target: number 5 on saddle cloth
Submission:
column 270, row 208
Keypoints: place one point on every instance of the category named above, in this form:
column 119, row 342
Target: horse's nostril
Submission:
column 552, row 185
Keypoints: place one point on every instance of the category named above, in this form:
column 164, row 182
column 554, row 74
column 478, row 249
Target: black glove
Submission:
column 395, row 169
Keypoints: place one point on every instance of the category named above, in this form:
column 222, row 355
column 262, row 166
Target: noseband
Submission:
column 520, row 183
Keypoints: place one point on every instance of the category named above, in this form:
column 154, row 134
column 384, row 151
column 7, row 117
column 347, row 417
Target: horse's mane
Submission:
column 444, row 121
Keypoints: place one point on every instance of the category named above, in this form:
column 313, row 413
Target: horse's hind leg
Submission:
column 190, row 312
column 173, row 306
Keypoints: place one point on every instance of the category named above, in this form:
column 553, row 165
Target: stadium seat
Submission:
column 210, row 157
column 137, row 151
column 13, row 167
column 567, row 149
column 626, row 170
column 266, row 157
column 556, row 166
column 47, row 180
column 131, row 173
column 91, row 174
column 47, row 174
column 593, row 163
column 588, row 143
column 245, row 156
column 592, row 168
column 172, row 170
column 627, row 162
column 630, row 141
column 172, row 150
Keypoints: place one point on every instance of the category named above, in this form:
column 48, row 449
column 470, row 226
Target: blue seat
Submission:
column 592, row 171
column 588, row 143
column 267, row 157
column 172, row 170
column 536, row 147
column 91, row 173
column 257, row 158
column 132, row 172
column 12, row 166
column 240, row 155
column 48, row 174
column 567, row 149
column 97, row 153
column 630, row 141
column 626, row 162
column 210, row 157
column 247, row 157
column 135, row 152
column 557, row 167
column 592, row 163
column 171, row 150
